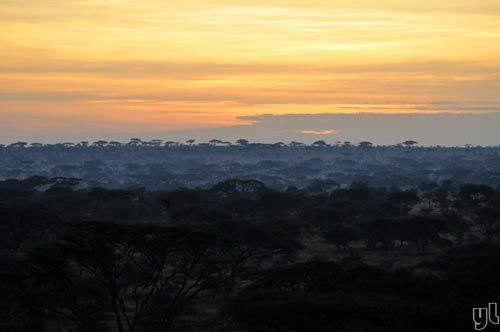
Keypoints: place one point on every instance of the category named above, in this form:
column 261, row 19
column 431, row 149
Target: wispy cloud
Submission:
column 131, row 65
column 320, row 132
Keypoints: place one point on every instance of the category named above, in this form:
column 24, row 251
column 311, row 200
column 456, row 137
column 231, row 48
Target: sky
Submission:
column 81, row 69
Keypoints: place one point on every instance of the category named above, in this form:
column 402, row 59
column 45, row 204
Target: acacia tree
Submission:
column 64, row 291
column 147, row 274
column 247, row 243
column 242, row 142
column 135, row 142
column 100, row 143
column 320, row 143
column 365, row 144
column 410, row 143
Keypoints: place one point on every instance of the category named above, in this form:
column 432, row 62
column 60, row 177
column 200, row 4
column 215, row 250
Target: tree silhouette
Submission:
column 135, row 142
column 320, row 143
column 18, row 145
column 156, row 142
column 215, row 142
column 171, row 143
column 143, row 275
column 242, row 142
column 365, row 144
column 100, row 143
column 114, row 144
column 410, row 143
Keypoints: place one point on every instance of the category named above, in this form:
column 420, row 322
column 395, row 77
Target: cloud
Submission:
column 37, row 60
column 320, row 132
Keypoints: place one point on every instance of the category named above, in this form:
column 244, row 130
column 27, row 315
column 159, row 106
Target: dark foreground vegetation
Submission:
column 240, row 256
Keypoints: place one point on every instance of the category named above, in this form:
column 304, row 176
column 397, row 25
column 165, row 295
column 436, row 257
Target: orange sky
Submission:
column 131, row 66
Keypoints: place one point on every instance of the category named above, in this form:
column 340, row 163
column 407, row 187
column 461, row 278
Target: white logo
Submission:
column 483, row 316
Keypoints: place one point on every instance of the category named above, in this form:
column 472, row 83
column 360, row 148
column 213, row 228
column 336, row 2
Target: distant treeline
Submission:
column 155, row 166
column 192, row 142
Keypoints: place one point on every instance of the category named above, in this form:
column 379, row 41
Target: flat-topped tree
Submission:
column 18, row 145
column 215, row 142
column 242, row 142
column 365, row 144
column 135, row 141
column 100, row 143
column 410, row 143
column 320, row 143
column 156, row 142
column 114, row 143
column 170, row 143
